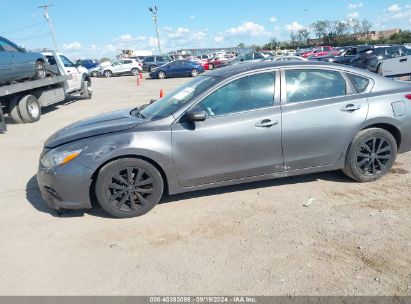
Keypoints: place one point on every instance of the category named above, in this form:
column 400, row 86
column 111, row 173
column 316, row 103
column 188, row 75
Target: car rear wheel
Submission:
column 194, row 73
column 135, row 72
column 371, row 155
column 161, row 75
column 128, row 187
column 40, row 70
column 108, row 73
column 14, row 110
column 29, row 108
column 94, row 74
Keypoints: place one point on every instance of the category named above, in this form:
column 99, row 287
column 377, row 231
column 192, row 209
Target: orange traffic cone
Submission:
column 161, row 93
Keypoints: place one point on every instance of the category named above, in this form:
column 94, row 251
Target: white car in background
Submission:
column 80, row 80
column 122, row 67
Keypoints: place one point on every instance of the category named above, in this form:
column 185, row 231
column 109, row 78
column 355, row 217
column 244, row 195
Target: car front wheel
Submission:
column 161, row 75
column 128, row 187
column 371, row 155
column 108, row 74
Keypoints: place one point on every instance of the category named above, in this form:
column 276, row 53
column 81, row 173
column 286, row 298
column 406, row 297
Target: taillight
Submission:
column 408, row 96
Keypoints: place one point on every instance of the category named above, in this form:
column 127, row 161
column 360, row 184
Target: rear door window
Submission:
column 307, row 84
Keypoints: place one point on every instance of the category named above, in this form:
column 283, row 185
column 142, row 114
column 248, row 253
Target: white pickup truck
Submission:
column 398, row 65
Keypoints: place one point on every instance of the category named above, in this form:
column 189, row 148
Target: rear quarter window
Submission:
column 360, row 83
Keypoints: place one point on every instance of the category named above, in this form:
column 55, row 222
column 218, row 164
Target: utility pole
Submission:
column 154, row 12
column 47, row 17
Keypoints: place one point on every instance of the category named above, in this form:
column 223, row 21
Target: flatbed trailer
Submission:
column 23, row 101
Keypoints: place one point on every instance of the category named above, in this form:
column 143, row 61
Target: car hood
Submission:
column 102, row 124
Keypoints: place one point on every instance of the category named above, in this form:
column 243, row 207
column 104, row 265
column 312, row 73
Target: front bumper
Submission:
column 66, row 187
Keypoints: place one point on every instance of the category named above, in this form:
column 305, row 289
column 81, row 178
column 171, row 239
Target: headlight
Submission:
column 55, row 158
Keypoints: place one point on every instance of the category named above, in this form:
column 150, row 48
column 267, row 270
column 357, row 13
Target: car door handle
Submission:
column 350, row 108
column 403, row 60
column 266, row 123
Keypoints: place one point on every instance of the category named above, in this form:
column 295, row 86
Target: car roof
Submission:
column 261, row 65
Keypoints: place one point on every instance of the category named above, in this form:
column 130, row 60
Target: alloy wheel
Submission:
column 130, row 188
column 374, row 155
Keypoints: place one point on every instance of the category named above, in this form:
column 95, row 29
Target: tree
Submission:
column 341, row 28
column 365, row 28
column 104, row 59
column 321, row 28
column 302, row 36
column 241, row 45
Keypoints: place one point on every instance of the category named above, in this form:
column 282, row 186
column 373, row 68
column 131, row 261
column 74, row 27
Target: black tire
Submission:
column 14, row 110
column 86, row 92
column 161, row 75
column 40, row 70
column 29, row 108
column 107, row 73
column 370, row 155
column 94, row 74
column 194, row 73
column 118, row 180
column 151, row 68
column 135, row 72
column 379, row 69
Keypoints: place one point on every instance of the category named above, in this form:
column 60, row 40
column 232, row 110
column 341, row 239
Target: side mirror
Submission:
column 196, row 115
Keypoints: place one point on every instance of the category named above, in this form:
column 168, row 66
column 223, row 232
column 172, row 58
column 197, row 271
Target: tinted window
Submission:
column 51, row 60
column 162, row 59
column 247, row 93
column 303, row 85
column 327, row 48
column 258, row 56
column 360, row 83
column 150, row 59
column 5, row 46
column 127, row 61
column 248, row 56
column 66, row 62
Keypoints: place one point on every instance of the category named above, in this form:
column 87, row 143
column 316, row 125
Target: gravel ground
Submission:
column 256, row 239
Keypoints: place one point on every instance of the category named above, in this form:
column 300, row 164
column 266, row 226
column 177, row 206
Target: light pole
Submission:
column 47, row 17
column 154, row 12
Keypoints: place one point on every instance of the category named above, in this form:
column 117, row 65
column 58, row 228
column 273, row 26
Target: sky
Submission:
column 102, row 28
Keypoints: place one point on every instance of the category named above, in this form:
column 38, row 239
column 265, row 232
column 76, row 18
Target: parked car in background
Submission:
column 372, row 60
column 80, row 80
column 216, row 130
column 345, row 56
column 177, row 68
column 151, row 62
column 94, row 72
column 317, row 51
column 18, row 64
column 250, row 57
column 285, row 58
column 122, row 67
column 88, row 63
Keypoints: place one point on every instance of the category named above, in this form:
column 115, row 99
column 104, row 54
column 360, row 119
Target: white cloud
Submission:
column 129, row 38
column 93, row 47
column 219, row 38
column 352, row 15
column 247, row 29
column 273, row 19
column 72, row 46
column 192, row 17
column 293, row 27
column 394, row 8
column 355, row 5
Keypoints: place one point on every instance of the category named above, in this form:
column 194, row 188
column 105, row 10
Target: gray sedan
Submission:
column 18, row 64
column 238, row 124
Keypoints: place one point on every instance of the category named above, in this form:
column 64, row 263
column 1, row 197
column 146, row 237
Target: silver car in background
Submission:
column 238, row 124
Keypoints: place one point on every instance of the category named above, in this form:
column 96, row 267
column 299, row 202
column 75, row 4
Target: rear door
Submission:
column 399, row 65
column 241, row 136
column 321, row 111
column 74, row 83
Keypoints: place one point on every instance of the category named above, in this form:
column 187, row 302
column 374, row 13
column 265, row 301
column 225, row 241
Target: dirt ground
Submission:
column 253, row 239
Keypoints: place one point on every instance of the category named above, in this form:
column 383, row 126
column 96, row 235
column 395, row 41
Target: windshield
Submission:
column 176, row 99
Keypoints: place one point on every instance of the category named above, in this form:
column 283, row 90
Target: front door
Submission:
column 241, row 136
column 321, row 115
